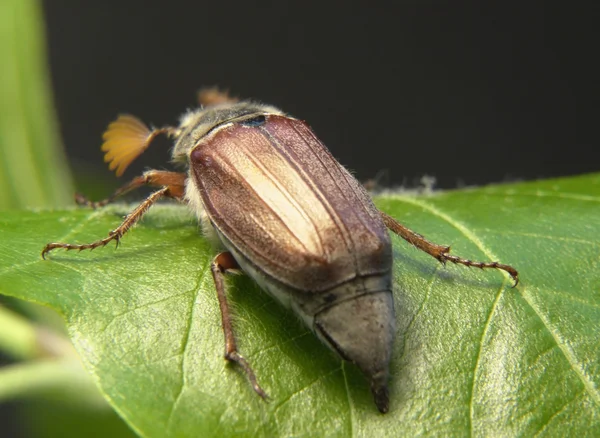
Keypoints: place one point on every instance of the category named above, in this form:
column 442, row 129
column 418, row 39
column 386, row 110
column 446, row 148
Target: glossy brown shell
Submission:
column 278, row 195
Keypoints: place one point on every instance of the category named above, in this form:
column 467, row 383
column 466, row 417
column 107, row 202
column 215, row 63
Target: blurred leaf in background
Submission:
column 33, row 169
column 44, row 379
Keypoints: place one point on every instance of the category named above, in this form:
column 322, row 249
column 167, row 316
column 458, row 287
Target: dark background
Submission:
column 469, row 93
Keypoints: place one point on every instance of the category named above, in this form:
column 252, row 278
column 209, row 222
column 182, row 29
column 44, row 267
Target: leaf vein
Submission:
column 556, row 414
column 350, row 404
column 13, row 268
column 568, row 353
column 73, row 230
column 287, row 341
column 141, row 307
column 304, row 388
column 570, row 297
column 182, row 367
column 82, row 224
column 420, row 309
column 543, row 194
column 484, row 333
column 542, row 236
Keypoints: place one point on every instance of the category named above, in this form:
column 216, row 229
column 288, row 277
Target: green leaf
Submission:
column 473, row 356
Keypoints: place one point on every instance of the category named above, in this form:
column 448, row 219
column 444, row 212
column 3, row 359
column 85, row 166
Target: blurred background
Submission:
column 469, row 93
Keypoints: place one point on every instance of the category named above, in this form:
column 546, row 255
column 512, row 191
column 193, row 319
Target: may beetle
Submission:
column 284, row 211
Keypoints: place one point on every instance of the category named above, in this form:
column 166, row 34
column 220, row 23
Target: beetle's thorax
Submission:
column 196, row 124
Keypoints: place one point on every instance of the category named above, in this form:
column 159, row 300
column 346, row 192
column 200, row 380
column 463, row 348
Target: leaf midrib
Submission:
column 195, row 294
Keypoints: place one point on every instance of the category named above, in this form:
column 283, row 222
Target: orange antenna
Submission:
column 127, row 138
column 214, row 96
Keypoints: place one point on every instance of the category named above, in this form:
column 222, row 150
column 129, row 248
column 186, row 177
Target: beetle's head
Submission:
column 128, row 137
column 361, row 330
column 197, row 124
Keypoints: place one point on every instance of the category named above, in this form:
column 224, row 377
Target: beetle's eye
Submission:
column 254, row 121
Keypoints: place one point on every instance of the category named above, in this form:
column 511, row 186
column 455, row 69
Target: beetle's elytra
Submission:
column 282, row 209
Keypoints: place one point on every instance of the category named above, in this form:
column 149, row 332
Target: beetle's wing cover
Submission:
column 278, row 195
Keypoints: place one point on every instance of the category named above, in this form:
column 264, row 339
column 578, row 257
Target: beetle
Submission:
column 285, row 212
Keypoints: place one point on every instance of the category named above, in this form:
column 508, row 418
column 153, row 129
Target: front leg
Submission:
column 152, row 178
column 130, row 220
column 173, row 186
column 222, row 263
column 440, row 252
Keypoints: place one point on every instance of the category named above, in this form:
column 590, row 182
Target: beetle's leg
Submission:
column 221, row 264
column 440, row 252
column 378, row 182
column 130, row 220
column 153, row 178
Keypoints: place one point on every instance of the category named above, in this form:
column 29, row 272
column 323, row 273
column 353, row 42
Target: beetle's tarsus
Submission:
column 444, row 257
column 85, row 202
column 234, row 356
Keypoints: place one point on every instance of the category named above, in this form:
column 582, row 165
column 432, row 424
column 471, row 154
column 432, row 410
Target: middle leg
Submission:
column 222, row 263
